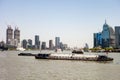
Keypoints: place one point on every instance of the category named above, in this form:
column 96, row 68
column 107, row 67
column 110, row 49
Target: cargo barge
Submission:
column 82, row 57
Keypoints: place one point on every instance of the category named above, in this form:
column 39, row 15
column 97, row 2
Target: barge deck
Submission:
column 82, row 57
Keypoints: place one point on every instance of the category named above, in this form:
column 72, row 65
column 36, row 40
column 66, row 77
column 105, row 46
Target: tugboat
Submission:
column 77, row 51
column 104, row 58
column 42, row 56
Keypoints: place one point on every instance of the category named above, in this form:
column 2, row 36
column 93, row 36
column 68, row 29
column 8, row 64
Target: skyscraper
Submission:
column 43, row 46
column 98, row 39
column 24, row 43
column 17, row 34
column 108, row 36
column 30, row 42
column 10, row 41
column 117, row 36
column 9, row 35
column 57, row 42
column 51, row 46
column 37, row 42
column 61, row 45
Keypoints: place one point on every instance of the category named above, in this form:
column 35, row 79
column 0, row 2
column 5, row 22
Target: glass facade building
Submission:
column 117, row 36
column 97, row 39
column 106, row 38
column 57, row 42
column 37, row 42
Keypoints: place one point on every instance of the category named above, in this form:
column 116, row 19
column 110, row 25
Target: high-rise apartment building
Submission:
column 43, row 46
column 117, row 36
column 30, row 42
column 37, row 42
column 57, row 42
column 51, row 46
column 61, row 45
column 24, row 43
column 10, row 41
column 9, row 35
column 17, row 34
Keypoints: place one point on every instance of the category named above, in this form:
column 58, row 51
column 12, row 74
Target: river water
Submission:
column 14, row 67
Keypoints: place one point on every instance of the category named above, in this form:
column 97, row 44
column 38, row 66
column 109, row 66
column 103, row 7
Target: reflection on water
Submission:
column 14, row 67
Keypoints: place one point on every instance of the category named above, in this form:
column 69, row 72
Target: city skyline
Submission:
column 74, row 21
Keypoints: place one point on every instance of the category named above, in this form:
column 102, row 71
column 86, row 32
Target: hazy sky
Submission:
column 74, row 21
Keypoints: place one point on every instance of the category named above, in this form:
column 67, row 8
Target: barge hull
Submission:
column 74, row 57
